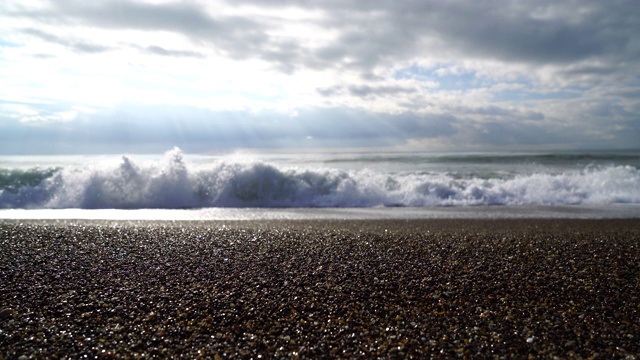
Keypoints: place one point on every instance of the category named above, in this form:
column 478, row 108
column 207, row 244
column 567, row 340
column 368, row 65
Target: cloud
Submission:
column 366, row 90
column 200, row 129
column 531, row 32
column 363, row 90
column 236, row 34
column 73, row 44
column 157, row 50
column 356, row 73
column 503, row 133
column 570, row 36
column 156, row 128
column 376, row 33
column 496, row 112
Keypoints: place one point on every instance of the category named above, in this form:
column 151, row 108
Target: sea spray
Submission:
column 173, row 182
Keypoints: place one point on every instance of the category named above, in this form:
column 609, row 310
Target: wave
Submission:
column 586, row 158
column 172, row 183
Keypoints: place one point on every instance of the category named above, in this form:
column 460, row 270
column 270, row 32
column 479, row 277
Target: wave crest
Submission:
column 173, row 183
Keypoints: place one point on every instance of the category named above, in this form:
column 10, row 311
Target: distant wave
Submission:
column 629, row 157
column 172, row 183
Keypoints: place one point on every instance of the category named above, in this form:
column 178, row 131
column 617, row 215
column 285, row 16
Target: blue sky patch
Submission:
column 4, row 43
column 464, row 81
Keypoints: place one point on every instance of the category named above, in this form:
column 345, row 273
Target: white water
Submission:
column 336, row 181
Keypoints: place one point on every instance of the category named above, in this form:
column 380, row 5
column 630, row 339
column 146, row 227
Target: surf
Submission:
column 173, row 182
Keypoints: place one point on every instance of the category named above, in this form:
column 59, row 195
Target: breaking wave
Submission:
column 172, row 183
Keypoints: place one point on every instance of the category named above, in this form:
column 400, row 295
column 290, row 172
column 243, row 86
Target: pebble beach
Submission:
column 320, row 289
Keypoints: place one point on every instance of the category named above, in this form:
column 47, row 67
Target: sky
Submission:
column 116, row 76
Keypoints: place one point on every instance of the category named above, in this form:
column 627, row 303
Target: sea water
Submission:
column 323, row 185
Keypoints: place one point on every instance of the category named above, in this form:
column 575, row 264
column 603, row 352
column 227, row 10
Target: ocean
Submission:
column 323, row 185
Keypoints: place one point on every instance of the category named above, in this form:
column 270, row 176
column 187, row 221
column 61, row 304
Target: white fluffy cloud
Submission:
column 430, row 74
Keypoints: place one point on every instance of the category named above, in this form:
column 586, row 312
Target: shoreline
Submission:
column 479, row 212
column 320, row 288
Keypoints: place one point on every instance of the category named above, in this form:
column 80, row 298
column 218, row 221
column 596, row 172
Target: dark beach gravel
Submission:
column 320, row 289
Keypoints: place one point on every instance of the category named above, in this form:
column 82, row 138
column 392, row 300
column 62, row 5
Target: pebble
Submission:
column 6, row 313
column 325, row 289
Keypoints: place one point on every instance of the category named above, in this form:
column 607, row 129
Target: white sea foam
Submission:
column 174, row 183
